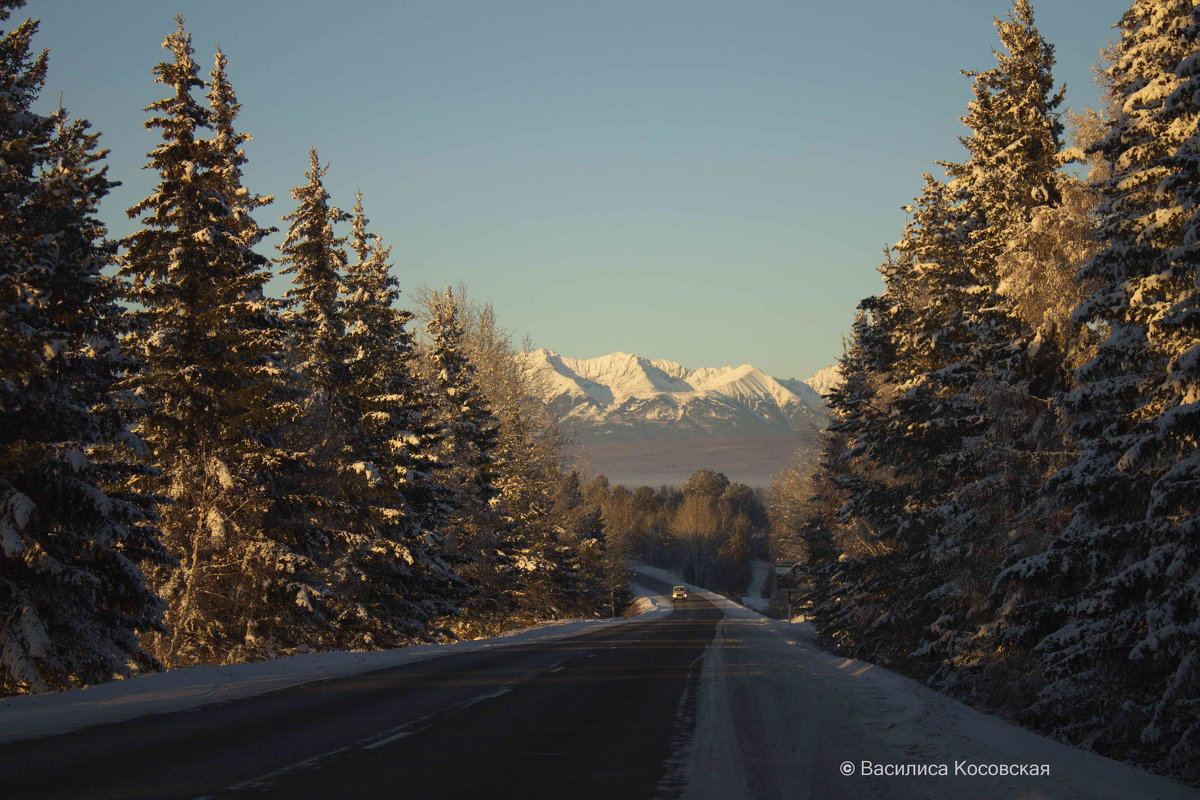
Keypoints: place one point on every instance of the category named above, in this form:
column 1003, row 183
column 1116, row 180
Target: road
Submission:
column 712, row 702
column 603, row 715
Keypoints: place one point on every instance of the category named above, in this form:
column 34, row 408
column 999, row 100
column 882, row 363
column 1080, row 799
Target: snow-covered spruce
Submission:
column 1126, row 652
column 73, row 597
column 942, row 547
column 212, row 386
column 396, row 578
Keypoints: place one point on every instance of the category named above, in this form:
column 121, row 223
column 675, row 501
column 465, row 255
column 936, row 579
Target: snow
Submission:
column 758, row 577
column 777, row 716
column 598, row 386
column 625, row 374
column 746, row 383
column 75, row 459
column 33, row 716
column 648, row 601
column 19, row 508
column 618, row 376
column 823, row 380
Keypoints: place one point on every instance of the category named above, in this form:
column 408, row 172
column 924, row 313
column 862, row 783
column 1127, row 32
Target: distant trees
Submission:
column 194, row 472
column 710, row 529
column 1005, row 505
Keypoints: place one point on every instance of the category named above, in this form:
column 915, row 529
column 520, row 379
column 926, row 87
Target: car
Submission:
column 679, row 593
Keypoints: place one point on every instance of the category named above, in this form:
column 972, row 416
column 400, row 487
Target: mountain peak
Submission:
column 654, row 421
column 632, row 397
column 825, row 379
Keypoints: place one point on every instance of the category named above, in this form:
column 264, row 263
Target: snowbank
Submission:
column 779, row 717
column 31, row 716
column 754, row 592
column 647, row 603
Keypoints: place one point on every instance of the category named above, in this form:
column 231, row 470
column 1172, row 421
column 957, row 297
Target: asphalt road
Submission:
column 603, row 715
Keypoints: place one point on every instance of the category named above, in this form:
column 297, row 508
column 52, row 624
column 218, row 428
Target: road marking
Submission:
column 505, row 689
column 389, row 736
column 254, row 783
column 388, row 740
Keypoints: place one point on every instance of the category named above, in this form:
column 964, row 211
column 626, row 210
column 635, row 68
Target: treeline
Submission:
column 1006, row 501
column 708, row 531
column 192, row 471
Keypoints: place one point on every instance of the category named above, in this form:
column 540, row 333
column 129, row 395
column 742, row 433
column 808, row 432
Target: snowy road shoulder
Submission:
column 780, row 717
column 32, row 716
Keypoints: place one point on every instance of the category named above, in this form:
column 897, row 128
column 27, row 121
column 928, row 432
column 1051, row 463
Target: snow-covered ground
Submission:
column 647, row 601
column 779, row 717
column 30, row 716
column 754, row 592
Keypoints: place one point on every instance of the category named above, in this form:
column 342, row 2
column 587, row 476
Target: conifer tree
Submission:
column 73, row 595
column 212, row 383
column 989, row 377
column 316, row 258
column 227, row 142
column 1126, row 657
column 324, row 478
column 403, row 582
column 477, row 537
column 949, row 373
column 471, row 434
column 932, row 323
column 1015, row 141
column 855, row 496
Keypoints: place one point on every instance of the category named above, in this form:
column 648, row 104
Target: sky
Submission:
column 708, row 182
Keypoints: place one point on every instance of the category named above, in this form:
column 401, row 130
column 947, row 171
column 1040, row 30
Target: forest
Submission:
column 195, row 472
column 1005, row 501
column 708, row 531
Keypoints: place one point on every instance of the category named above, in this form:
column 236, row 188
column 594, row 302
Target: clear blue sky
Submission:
column 710, row 182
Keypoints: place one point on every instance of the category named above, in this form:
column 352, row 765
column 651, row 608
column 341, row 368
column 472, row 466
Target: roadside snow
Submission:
column 647, row 603
column 31, row 716
column 779, row 717
column 754, row 592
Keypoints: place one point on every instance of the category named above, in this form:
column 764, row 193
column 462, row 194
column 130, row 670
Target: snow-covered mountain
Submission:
column 625, row 397
column 825, row 379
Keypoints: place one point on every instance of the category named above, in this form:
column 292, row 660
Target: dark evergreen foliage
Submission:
column 212, row 386
column 1126, row 565
column 73, row 598
column 983, row 518
column 398, row 580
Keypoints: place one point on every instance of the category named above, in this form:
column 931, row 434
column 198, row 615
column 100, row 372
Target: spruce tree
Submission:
column 1125, row 660
column 73, row 597
column 212, row 385
column 480, row 539
column 402, row 583
column 315, row 257
column 471, row 433
column 853, row 499
column 227, row 141
column 931, row 317
column 1003, row 373
column 323, row 479
column 1015, row 142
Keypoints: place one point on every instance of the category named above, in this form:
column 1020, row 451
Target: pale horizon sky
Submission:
column 707, row 182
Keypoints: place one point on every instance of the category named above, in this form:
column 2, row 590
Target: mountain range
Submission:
column 643, row 421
